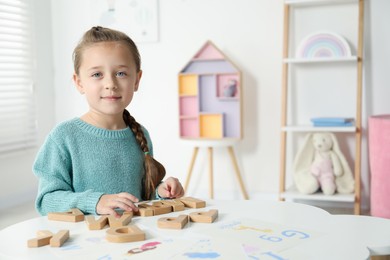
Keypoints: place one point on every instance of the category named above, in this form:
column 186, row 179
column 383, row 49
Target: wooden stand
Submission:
column 211, row 175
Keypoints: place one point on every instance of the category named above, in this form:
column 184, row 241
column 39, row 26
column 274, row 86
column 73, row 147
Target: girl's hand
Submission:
column 109, row 202
column 170, row 188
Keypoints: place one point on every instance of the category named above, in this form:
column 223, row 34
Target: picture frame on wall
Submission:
column 136, row 18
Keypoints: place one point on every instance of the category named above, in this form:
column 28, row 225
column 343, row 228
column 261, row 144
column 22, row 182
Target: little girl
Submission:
column 103, row 160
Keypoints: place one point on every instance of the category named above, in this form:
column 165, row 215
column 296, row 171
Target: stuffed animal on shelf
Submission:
column 319, row 163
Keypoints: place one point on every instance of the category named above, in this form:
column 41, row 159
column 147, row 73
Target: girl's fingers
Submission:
column 128, row 196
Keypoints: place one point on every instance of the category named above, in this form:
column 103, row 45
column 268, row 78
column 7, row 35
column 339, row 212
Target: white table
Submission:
column 243, row 230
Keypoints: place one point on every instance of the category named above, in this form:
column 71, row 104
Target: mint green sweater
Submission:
column 78, row 163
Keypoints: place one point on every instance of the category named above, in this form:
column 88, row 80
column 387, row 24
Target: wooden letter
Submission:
column 160, row 208
column 42, row 239
column 125, row 234
column 74, row 215
column 193, row 203
column 96, row 224
column 173, row 223
column 157, row 208
column 59, row 239
column 122, row 221
column 176, row 204
column 144, row 210
column 204, row 217
column 45, row 237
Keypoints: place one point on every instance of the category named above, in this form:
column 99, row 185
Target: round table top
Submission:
column 244, row 229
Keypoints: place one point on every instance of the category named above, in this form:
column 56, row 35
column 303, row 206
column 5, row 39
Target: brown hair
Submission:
column 154, row 171
column 99, row 34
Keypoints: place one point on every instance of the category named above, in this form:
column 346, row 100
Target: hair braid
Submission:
column 154, row 171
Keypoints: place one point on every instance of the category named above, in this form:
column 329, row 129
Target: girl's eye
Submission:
column 121, row 74
column 96, row 75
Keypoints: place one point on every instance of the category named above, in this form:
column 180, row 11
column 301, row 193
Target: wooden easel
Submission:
column 211, row 176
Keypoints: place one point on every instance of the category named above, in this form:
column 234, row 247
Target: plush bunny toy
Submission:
column 320, row 164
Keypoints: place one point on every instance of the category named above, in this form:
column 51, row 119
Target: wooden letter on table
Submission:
column 42, row 239
column 94, row 224
column 122, row 221
column 204, row 217
column 173, row 223
column 176, row 204
column 193, row 203
column 160, row 208
column 157, row 208
column 45, row 237
column 125, row 234
column 59, row 239
column 74, row 215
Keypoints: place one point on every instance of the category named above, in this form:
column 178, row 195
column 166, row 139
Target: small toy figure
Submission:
column 230, row 88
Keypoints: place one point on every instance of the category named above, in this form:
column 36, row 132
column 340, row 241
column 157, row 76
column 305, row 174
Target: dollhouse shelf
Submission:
column 210, row 96
column 210, row 107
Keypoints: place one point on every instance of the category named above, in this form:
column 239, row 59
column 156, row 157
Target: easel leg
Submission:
column 211, row 172
column 194, row 154
column 233, row 157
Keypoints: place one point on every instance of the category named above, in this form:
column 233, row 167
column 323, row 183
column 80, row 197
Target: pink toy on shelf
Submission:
column 379, row 152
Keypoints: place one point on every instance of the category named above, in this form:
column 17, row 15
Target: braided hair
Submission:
column 154, row 171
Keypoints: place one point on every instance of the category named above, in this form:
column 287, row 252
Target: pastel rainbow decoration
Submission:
column 323, row 45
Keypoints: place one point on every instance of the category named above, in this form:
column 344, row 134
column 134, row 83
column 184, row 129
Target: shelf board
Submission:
column 320, row 60
column 188, row 116
column 228, row 99
column 310, row 128
column 317, row 2
column 292, row 193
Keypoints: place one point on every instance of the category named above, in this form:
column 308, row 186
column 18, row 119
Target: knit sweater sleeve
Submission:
column 55, row 193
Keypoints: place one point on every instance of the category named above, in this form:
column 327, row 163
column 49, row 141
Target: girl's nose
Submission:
column 110, row 84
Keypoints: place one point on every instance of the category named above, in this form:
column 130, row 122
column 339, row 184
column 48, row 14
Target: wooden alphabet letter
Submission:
column 204, row 217
column 176, row 204
column 193, row 203
column 125, row 234
column 94, row 224
column 74, row 215
column 42, row 239
column 122, row 221
column 173, row 223
column 59, row 239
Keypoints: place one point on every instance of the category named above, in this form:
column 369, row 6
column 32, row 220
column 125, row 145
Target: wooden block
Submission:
column 156, row 208
column 176, row 204
column 122, row 221
column 42, row 239
column 94, row 224
column 74, row 215
column 59, row 239
column 193, row 203
column 204, row 216
column 144, row 210
column 160, row 208
column 173, row 223
column 125, row 234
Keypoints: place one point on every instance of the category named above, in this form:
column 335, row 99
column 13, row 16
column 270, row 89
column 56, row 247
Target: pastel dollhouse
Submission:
column 210, row 96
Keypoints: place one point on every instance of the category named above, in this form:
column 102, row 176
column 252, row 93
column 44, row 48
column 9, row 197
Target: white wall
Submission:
column 18, row 184
column 252, row 39
column 249, row 32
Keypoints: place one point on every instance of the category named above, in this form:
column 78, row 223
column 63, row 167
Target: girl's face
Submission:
column 108, row 78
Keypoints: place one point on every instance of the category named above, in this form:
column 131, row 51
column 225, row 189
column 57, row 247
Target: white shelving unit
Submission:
column 288, row 128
